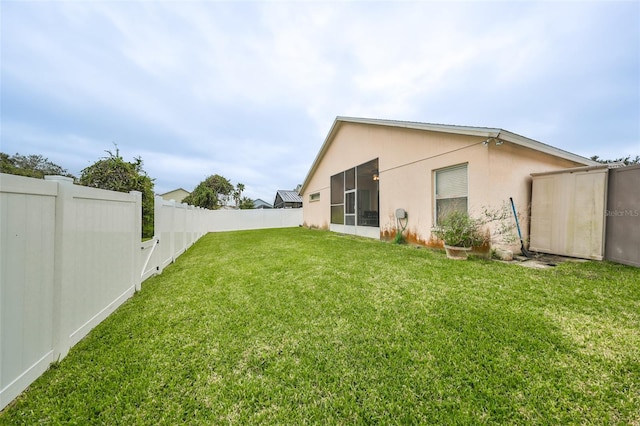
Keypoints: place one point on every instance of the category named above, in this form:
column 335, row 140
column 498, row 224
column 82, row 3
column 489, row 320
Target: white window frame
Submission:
column 459, row 189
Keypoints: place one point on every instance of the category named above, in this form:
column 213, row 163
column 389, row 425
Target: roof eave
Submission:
column 444, row 128
column 487, row 132
column 547, row 149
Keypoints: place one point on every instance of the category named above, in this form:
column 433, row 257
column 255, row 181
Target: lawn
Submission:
column 295, row 326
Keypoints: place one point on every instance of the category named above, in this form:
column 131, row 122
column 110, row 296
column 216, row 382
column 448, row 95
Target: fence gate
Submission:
column 623, row 216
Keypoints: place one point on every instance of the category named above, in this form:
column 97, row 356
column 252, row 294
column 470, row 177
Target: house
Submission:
column 259, row 203
column 287, row 200
column 375, row 177
column 177, row 195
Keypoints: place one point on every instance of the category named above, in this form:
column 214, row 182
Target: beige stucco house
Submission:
column 367, row 169
column 177, row 195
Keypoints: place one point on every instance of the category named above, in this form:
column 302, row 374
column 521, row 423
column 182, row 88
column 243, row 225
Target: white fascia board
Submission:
column 542, row 147
column 485, row 132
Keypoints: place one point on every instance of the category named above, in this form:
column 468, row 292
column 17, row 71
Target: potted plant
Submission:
column 460, row 233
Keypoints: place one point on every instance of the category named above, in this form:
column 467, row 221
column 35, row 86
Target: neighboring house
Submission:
column 287, row 200
column 177, row 195
column 368, row 168
column 259, row 203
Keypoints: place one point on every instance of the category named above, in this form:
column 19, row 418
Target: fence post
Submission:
column 62, row 265
column 172, row 231
column 137, row 227
column 157, row 214
column 157, row 229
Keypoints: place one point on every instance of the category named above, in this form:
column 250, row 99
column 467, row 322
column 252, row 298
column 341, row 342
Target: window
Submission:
column 314, row 197
column 337, row 199
column 451, row 190
column 354, row 196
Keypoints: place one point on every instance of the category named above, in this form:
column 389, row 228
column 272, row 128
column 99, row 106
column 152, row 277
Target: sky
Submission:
column 249, row 90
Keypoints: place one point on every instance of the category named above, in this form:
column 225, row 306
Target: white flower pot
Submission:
column 457, row 253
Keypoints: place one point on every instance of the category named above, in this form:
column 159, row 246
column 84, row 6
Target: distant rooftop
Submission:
column 260, row 203
column 289, row 196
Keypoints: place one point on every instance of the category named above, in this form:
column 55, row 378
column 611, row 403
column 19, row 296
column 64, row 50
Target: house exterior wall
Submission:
column 407, row 176
column 408, row 159
column 509, row 172
column 177, row 194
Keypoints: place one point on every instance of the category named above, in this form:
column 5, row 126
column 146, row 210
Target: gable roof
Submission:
column 260, row 202
column 485, row 132
column 288, row 196
column 175, row 190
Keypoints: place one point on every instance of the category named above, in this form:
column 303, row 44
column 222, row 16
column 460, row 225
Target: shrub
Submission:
column 458, row 229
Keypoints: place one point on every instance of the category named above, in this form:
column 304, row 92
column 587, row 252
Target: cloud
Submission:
column 249, row 90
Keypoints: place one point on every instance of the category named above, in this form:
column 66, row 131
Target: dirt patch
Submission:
column 543, row 260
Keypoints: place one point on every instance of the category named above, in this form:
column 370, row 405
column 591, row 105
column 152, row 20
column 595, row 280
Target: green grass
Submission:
column 294, row 326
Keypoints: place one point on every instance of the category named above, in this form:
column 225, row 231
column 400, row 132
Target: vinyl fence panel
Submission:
column 70, row 255
column 164, row 220
column 27, row 241
column 236, row 220
column 98, row 237
column 69, row 258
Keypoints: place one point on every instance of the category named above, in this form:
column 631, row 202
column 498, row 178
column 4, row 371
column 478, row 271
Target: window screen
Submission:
column 337, row 198
column 337, row 188
column 350, row 179
column 354, row 195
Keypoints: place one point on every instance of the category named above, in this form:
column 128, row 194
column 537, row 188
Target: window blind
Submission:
column 452, row 182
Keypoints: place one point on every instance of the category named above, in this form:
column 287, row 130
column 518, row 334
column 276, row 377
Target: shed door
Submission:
column 567, row 213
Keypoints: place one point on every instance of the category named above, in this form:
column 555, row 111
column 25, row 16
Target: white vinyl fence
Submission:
column 70, row 255
column 176, row 227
